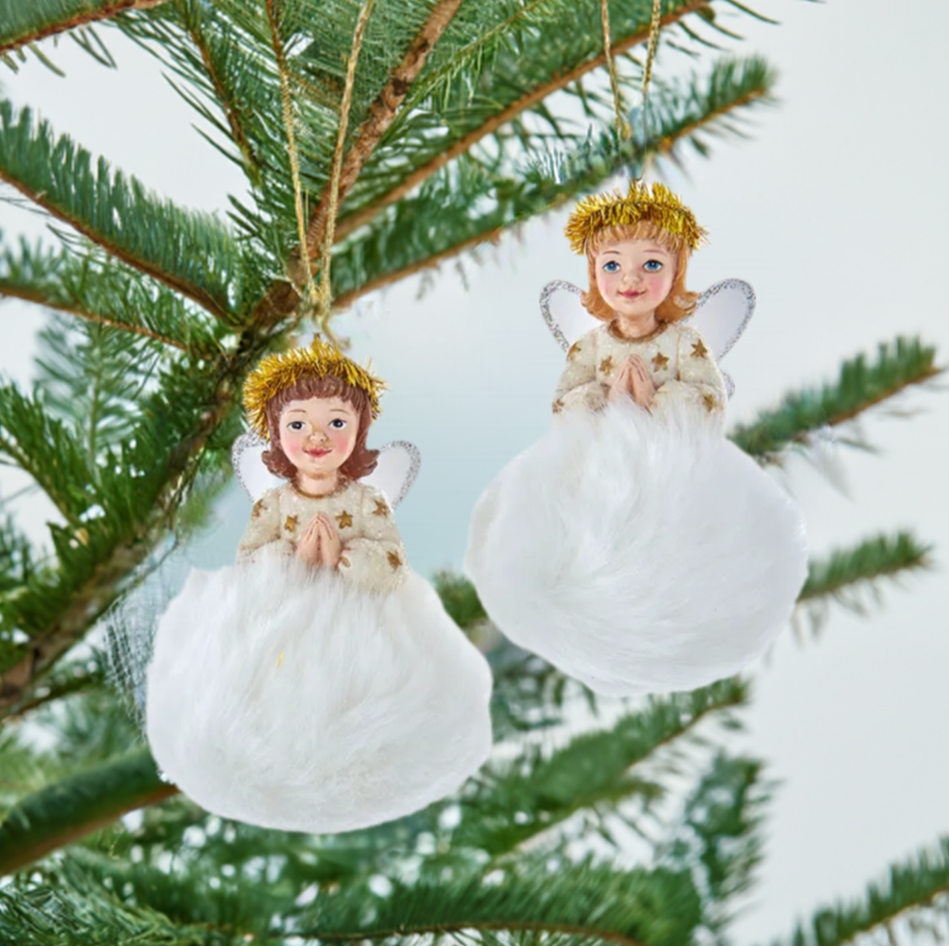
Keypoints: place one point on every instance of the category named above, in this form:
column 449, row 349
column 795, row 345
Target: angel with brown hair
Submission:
column 317, row 684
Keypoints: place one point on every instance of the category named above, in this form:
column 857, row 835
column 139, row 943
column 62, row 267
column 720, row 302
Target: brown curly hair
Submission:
column 361, row 462
column 679, row 304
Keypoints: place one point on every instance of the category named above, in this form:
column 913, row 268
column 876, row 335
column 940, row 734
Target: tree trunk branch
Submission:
column 80, row 19
column 347, row 224
column 65, row 811
column 381, row 115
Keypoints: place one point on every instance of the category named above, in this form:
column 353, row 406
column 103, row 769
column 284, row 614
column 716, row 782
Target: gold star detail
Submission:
column 574, row 351
column 394, row 559
column 606, row 365
column 344, row 520
column 258, row 509
column 558, row 405
column 698, row 349
column 709, row 401
column 382, row 508
column 659, row 362
column 290, row 524
column 344, row 561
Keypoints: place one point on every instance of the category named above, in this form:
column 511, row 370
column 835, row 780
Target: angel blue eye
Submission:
column 612, row 266
column 338, row 423
column 652, row 266
column 295, row 425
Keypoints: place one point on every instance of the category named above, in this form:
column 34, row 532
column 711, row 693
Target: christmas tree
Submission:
column 356, row 126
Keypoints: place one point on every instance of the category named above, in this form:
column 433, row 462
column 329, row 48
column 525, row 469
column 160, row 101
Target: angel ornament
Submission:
column 317, row 684
column 635, row 547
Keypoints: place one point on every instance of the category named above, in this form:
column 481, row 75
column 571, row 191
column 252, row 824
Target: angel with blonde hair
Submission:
column 634, row 546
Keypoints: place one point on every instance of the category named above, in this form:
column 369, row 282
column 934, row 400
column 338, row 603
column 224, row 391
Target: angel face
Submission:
column 318, row 435
column 634, row 277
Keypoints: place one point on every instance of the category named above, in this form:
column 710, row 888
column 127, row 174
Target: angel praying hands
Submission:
column 634, row 546
column 317, row 684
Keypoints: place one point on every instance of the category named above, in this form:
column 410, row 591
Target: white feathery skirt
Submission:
column 285, row 697
column 639, row 553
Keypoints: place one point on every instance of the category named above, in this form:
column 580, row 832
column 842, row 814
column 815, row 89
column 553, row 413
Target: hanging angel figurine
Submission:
column 635, row 547
column 317, row 684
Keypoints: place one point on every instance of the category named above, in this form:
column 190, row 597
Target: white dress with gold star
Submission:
column 638, row 551
column 310, row 699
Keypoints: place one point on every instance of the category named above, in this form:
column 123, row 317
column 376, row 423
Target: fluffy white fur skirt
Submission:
column 284, row 697
column 638, row 553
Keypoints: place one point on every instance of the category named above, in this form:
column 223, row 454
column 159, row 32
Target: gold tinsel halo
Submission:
column 276, row 373
column 659, row 206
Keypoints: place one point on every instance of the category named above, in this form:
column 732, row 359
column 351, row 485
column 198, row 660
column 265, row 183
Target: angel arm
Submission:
column 374, row 558
column 697, row 376
column 263, row 529
column 578, row 387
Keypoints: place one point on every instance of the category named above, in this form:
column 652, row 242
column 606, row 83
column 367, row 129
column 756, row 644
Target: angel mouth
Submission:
column 632, row 294
column 317, row 453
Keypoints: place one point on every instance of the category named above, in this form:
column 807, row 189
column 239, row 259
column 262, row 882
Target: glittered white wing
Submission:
column 722, row 314
column 395, row 471
column 564, row 313
column 253, row 475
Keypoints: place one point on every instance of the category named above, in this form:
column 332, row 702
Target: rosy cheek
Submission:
column 656, row 283
column 607, row 285
column 340, row 439
column 292, row 443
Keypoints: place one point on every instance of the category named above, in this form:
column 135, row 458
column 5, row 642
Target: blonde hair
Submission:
column 679, row 304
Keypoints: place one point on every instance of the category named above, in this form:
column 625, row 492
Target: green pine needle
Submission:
column 861, row 385
column 116, row 212
column 847, row 575
column 911, row 887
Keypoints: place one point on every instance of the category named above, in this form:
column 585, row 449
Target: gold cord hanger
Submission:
column 623, row 128
column 325, row 302
column 319, row 302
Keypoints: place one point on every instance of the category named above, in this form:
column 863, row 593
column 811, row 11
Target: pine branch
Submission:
column 914, row 885
column 155, row 237
column 560, row 80
column 460, row 599
column 719, row 833
column 25, row 23
column 860, row 386
column 220, row 79
column 598, row 903
column 403, row 241
column 65, row 811
column 66, row 681
column 847, row 574
column 29, row 437
column 65, row 907
column 103, row 292
column 139, row 491
column 28, row 295
column 591, row 773
column 382, row 114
